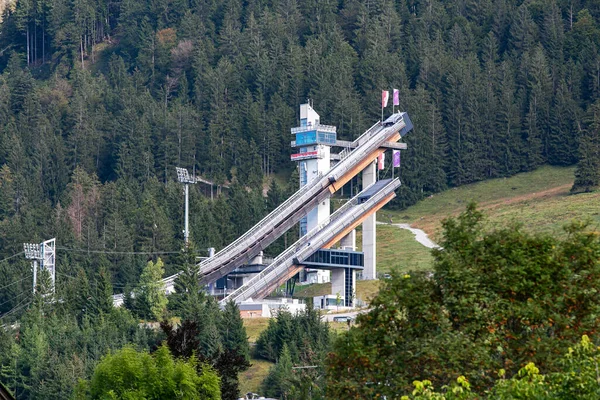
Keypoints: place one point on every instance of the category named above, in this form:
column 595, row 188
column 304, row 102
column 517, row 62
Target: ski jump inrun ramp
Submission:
column 358, row 155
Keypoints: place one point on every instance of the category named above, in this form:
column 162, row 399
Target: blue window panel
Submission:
column 303, row 122
column 326, row 137
column 305, row 138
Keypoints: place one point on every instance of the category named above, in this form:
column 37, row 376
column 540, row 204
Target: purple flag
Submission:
column 396, row 158
column 396, row 97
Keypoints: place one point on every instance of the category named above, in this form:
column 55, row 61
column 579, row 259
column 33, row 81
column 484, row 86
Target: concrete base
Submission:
column 338, row 278
column 369, row 239
column 338, row 286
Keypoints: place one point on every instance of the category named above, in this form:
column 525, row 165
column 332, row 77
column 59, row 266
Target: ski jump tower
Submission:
column 314, row 156
column 314, row 141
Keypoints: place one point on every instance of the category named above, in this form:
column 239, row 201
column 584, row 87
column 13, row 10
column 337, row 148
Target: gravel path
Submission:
column 420, row 236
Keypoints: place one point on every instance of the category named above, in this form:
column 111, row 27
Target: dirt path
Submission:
column 420, row 236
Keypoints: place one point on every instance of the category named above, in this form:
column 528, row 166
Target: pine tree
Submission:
column 189, row 299
column 150, row 293
column 587, row 174
column 233, row 332
column 277, row 383
column 7, row 193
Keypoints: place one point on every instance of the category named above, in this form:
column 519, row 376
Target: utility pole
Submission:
column 45, row 253
column 184, row 177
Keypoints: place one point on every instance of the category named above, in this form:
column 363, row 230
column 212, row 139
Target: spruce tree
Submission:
column 233, row 332
column 587, row 174
column 277, row 383
column 150, row 294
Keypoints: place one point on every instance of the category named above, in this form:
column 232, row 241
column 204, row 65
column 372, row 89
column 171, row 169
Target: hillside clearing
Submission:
column 540, row 200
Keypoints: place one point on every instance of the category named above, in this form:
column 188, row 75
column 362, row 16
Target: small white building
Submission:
column 269, row 308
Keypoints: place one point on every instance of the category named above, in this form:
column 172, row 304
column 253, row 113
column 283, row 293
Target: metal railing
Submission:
column 365, row 148
column 316, row 127
column 298, row 249
column 266, row 277
column 266, row 220
column 250, row 237
column 366, row 133
column 300, row 242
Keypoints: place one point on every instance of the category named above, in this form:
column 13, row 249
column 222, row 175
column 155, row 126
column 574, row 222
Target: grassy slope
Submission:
column 251, row 379
column 539, row 200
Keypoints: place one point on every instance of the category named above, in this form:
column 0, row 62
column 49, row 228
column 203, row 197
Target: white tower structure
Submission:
column 45, row 253
column 314, row 141
column 184, row 177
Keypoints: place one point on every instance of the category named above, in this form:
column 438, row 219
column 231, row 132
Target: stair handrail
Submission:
column 267, row 219
column 272, row 268
column 301, row 241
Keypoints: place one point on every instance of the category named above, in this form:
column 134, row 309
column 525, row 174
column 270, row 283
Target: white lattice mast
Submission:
column 184, row 177
column 45, row 253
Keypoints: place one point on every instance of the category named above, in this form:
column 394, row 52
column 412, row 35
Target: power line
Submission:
column 15, row 282
column 117, row 252
column 13, row 256
column 16, row 297
column 16, row 308
column 114, row 285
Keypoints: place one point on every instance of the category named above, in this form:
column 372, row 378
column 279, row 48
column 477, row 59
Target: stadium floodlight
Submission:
column 183, row 176
column 45, row 253
column 32, row 251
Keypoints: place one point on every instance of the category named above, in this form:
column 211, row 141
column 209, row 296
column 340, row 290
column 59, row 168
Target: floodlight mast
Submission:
column 32, row 252
column 184, row 177
column 45, row 253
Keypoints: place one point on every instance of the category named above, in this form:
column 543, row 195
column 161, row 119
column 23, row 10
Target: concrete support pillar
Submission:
column 337, row 282
column 351, row 303
column 369, row 239
column 349, row 241
column 338, row 285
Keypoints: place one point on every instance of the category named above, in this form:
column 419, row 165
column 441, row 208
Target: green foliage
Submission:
column 495, row 300
column 587, row 174
column 217, row 337
column 100, row 100
column 138, row 375
column 278, row 383
column 149, row 296
column 52, row 349
column 305, row 335
column 576, row 379
column 233, row 332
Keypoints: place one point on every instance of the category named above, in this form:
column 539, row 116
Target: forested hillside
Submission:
column 100, row 100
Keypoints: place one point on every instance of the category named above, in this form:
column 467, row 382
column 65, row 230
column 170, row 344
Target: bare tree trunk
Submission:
column 28, row 51
column 81, row 47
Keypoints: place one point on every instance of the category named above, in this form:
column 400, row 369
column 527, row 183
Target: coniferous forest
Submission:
column 101, row 100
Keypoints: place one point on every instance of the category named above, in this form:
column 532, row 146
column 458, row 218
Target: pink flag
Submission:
column 385, row 96
column 396, row 97
column 381, row 161
column 396, row 158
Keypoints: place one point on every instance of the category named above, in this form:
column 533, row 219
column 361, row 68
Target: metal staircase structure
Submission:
column 353, row 160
